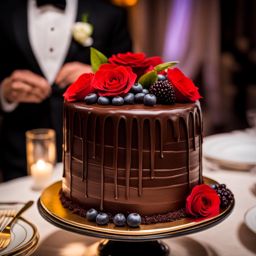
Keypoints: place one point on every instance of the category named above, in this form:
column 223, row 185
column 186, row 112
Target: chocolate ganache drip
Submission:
column 127, row 158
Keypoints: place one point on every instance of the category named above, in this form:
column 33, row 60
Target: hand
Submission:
column 25, row 86
column 70, row 72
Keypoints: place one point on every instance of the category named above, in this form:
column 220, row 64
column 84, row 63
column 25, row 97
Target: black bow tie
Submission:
column 61, row 4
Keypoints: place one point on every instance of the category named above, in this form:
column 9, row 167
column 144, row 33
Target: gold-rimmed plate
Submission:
column 52, row 210
column 24, row 239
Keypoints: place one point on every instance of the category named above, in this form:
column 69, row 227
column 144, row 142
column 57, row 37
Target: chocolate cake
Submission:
column 131, row 158
column 132, row 141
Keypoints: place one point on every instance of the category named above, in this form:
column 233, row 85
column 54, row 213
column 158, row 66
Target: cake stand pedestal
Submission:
column 125, row 241
column 117, row 248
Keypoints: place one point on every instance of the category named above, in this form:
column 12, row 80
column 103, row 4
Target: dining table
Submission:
column 230, row 237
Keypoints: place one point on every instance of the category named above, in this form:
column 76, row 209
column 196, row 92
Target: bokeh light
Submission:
column 125, row 3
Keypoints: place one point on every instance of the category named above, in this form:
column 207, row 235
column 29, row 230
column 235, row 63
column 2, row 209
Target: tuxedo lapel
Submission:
column 20, row 28
column 83, row 7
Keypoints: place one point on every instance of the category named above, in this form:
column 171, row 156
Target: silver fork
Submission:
column 5, row 234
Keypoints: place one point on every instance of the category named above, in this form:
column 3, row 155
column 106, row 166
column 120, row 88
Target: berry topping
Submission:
column 103, row 100
column 133, row 220
column 163, row 91
column 102, row 219
column 129, row 98
column 150, row 100
column 91, row 98
column 225, row 195
column 136, row 88
column 91, row 214
column 146, row 91
column 139, row 97
column 117, row 101
column 119, row 220
column 161, row 77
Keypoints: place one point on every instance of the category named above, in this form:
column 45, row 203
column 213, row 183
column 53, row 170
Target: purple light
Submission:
column 177, row 33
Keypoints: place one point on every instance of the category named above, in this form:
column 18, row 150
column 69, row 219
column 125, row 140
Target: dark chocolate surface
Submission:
column 152, row 219
column 132, row 158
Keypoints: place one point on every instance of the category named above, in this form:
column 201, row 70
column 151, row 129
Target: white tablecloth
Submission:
column 231, row 237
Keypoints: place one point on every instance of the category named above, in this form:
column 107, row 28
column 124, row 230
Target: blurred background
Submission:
column 215, row 42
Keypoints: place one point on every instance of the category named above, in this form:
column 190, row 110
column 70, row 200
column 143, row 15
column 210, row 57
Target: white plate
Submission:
column 235, row 150
column 250, row 219
column 24, row 238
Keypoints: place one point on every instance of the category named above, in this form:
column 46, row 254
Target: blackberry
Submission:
column 164, row 92
column 225, row 195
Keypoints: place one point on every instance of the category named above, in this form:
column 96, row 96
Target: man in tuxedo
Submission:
column 39, row 59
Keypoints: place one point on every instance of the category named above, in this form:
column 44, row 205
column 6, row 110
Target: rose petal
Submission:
column 80, row 88
column 184, row 88
column 113, row 80
column 203, row 201
column 137, row 61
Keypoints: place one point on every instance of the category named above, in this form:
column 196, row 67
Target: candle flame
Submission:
column 40, row 164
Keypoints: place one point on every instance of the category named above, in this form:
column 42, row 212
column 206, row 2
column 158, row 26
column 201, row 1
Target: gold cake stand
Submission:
column 123, row 240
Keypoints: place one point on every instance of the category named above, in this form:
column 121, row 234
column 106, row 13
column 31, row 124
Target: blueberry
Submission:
column 117, row 101
column 145, row 91
column 161, row 77
column 119, row 220
column 91, row 98
column 214, row 186
column 91, row 214
column 136, row 88
column 129, row 98
column 103, row 100
column 102, row 219
column 150, row 100
column 133, row 220
column 139, row 97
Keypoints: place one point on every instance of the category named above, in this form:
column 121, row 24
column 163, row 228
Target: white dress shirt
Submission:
column 50, row 35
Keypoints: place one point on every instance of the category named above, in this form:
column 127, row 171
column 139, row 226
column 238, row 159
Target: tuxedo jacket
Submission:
column 110, row 36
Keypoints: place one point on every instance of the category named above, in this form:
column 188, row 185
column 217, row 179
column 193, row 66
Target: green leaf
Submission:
column 165, row 65
column 85, row 17
column 97, row 58
column 147, row 79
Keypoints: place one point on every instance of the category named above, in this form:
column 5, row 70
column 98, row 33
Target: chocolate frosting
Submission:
column 132, row 158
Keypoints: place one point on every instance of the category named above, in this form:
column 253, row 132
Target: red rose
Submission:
column 112, row 80
column 153, row 61
column 137, row 61
column 184, row 88
column 128, row 59
column 203, row 201
column 80, row 88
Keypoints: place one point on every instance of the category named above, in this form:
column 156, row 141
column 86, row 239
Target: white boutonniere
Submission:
column 82, row 32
